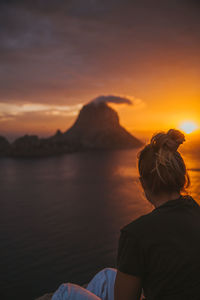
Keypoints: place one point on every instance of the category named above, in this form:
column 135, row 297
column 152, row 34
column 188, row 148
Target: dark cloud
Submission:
column 56, row 50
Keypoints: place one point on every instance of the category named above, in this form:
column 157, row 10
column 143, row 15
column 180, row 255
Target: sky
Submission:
column 56, row 56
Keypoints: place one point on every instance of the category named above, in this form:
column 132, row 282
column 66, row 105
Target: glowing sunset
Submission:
column 188, row 126
column 97, row 48
column 99, row 128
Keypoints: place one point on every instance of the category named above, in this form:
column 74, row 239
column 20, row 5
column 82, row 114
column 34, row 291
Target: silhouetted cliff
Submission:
column 4, row 146
column 96, row 127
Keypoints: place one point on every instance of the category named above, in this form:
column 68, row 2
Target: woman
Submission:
column 158, row 253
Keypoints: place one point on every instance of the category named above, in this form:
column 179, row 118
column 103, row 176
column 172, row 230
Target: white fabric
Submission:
column 69, row 291
column 101, row 287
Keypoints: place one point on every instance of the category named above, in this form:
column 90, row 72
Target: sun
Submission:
column 188, row 126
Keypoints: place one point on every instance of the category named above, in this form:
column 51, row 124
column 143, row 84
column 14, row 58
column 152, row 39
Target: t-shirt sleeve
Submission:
column 129, row 257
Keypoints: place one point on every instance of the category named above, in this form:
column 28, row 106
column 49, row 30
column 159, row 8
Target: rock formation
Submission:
column 4, row 146
column 96, row 127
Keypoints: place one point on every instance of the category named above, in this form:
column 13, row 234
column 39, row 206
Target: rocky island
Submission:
column 97, row 127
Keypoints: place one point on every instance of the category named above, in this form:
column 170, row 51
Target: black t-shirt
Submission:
column 163, row 248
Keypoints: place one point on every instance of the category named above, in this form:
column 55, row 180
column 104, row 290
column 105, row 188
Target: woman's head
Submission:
column 161, row 167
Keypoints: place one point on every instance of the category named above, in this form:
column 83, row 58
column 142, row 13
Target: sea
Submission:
column 60, row 217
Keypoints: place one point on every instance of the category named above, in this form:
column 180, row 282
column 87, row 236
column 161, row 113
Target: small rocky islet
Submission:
column 97, row 127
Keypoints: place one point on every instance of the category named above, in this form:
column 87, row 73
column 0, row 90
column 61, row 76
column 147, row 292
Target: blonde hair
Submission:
column 161, row 166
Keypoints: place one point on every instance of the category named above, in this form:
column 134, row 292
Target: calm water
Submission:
column 60, row 217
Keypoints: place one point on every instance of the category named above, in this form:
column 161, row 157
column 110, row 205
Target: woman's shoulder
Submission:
column 139, row 225
column 162, row 217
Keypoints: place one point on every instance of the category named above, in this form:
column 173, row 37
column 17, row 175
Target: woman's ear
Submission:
column 144, row 187
column 142, row 182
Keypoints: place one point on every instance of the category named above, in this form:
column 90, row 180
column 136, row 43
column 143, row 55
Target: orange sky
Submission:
column 152, row 112
column 55, row 60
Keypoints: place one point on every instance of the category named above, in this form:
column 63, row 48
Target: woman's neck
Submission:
column 158, row 200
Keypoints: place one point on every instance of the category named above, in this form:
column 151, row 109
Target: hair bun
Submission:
column 170, row 140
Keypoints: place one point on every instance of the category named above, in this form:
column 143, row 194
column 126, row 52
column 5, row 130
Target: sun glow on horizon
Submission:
column 188, row 126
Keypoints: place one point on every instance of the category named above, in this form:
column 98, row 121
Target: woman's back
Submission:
column 163, row 248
